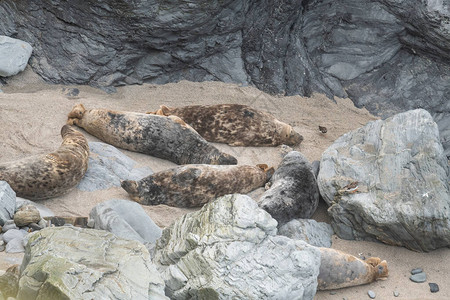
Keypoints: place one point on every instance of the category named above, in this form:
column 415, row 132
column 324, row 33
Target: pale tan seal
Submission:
column 235, row 124
column 339, row 270
column 195, row 185
column 164, row 137
column 45, row 176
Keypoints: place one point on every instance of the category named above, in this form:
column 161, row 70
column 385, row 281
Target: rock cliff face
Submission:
column 387, row 55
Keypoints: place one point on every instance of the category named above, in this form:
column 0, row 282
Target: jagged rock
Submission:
column 229, row 249
column 389, row 181
column 27, row 214
column 293, row 192
column 107, row 167
column 14, row 55
column 7, row 202
column 76, row 263
column 126, row 219
column 314, row 233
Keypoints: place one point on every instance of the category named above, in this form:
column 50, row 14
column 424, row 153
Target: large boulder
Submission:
column 107, row 167
column 314, row 233
column 229, row 250
column 7, row 202
column 14, row 55
column 75, row 263
column 126, row 219
column 389, row 181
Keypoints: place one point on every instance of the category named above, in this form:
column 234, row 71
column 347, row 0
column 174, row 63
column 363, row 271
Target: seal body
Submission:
column 45, row 176
column 235, row 124
column 293, row 192
column 339, row 270
column 195, row 185
column 164, row 137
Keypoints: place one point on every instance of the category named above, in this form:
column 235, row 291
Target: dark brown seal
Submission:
column 164, row 137
column 51, row 175
column 235, row 124
column 195, row 185
column 339, row 270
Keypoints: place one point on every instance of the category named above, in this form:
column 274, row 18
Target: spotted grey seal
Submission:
column 195, row 185
column 45, row 176
column 164, row 137
column 339, row 270
column 235, row 124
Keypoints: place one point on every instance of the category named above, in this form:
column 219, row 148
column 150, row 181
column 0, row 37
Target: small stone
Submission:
column 333, row 293
column 13, row 234
column 90, row 223
column 416, row 271
column 9, row 225
column 42, row 223
column 72, row 92
column 15, row 246
column 396, row 294
column 371, row 294
column 34, row 227
column 419, row 277
column 27, row 214
column 434, row 288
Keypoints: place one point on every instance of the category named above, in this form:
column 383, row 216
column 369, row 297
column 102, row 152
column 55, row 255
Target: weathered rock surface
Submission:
column 229, row 249
column 107, row 167
column 43, row 210
column 75, row 263
column 126, row 219
column 389, row 181
column 314, row 233
column 27, row 214
column 293, row 192
column 14, row 55
column 7, row 202
column 9, row 282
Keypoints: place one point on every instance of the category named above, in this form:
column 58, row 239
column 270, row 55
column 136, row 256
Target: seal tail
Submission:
column 131, row 187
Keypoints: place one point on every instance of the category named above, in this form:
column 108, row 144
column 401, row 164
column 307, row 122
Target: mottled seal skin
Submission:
column 195, row 185
column 164, row 137
column 235, row 124
column 46, row 176
column 340, row 270
column 293, row 191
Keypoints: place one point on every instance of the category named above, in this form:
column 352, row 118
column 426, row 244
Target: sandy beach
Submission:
column 33, row 112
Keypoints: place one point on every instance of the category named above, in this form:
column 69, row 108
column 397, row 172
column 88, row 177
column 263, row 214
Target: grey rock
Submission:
column 43, row 210
column 107, row 167
column 26, row 214
column 416, row 271
column 126, row 219
column 401, row 179
column 15, row 246
column 7, row 202
column 371, row 294
column 293, row 192
column 314, row 233
column 229, row 249
column 13, row 234
column 419, row 277
column 14, row 55
column 315, row 165
column 396, row 293
column 434, row 287
column 9, row 225
column 102, row 265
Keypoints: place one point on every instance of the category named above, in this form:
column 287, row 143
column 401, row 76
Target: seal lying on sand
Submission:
column 45, row 176
column 163, row 137
column 235, row 124
column 339, row 270
column 195, row 185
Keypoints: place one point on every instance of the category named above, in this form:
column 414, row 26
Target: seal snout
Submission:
column 131, row 187
column 76, row 114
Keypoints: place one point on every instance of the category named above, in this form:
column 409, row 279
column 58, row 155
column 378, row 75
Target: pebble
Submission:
column 419, row 277
column 371, row 294
column 416, row 271
column 91, row 223
column 9, row 225
column 333, row 293
column 434, row 288
column 396, row 294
